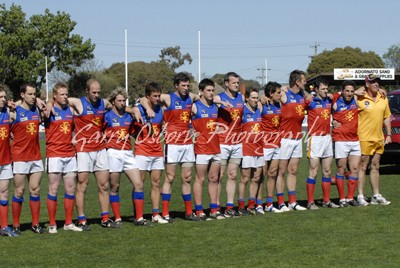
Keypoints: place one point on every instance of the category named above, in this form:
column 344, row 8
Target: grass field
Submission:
column 348, row 237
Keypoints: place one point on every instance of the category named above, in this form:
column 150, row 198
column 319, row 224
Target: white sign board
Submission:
column 360, row 74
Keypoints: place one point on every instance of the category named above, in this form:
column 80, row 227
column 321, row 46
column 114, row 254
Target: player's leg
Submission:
column 69, row 200
column 18, row 198
column 272, row 174
column 137, row 196
column 103, row 184
column 81, row 187
column 213, row 181
column 155, row 177
column 232, row 170
column 186, row 175
column 4, row 184
column 280, row 184
column 244, row 180
column 354, row 166
column 34, row 202
column 326, row 164
column 170, row 170
column 201, row 173
column 115, row 178
column 254, row 187
column 291, row 183
column 51, row 202
column 313, row 166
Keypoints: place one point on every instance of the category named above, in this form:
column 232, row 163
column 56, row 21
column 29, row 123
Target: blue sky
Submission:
column 235, row 35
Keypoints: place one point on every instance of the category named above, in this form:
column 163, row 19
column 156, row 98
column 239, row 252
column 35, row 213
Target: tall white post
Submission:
column 47, row 82
column 266, row 71
column 126, row 66
column 199, row 74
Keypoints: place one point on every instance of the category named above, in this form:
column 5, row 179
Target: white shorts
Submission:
column 319, row 147
column 92, row 161
column 252, row 161
column 271, row 154
column 150, row 163
column 121, row 160
column 179, row 153
column 62, row 165
column 291, row 149
column 231, row 151
column 28, row 167
column 345, row 148
column 6, row 172
column 205, row 159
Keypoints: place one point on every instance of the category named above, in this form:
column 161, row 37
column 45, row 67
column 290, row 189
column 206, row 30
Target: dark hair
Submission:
column 249, row 90
column 321, row 81
column 152, row 87
column 348, row 83
column 25, row 86
column 271, row 88
column 181, row 77
column 205, row 82
column 294, row 76
column 230, row 74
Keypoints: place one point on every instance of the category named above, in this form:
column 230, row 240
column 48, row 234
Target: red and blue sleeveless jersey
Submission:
column 25, row 129
column 88, row 127
column 271, row 117
column 319, row 117
column 347, row 115
column 147, row 135
column 292, row 115
column 59, row 128
column 205, row 123
column 117, row 130
column 177, row 120
column 252, row 138
column 5, row 149
column 231, row 118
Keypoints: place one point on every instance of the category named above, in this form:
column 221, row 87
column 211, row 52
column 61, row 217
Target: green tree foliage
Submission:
column 347, row 57
column 77, row 83
column 26, row 42
column 392, row 57
column 140, row 74
column 173, row 57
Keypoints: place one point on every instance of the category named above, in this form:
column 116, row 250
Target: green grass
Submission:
column 350, row 237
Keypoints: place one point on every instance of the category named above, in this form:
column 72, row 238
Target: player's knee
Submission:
column 155, row 183
column 35, row 191
column 19, row 192
column 244, row 179
column 213, row 178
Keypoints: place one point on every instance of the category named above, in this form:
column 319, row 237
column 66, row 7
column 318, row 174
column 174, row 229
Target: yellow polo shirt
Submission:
column 370, row 117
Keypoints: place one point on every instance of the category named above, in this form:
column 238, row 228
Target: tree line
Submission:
column 27, row 42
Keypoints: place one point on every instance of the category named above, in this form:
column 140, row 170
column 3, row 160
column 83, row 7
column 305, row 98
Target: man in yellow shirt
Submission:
column 373, row 112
